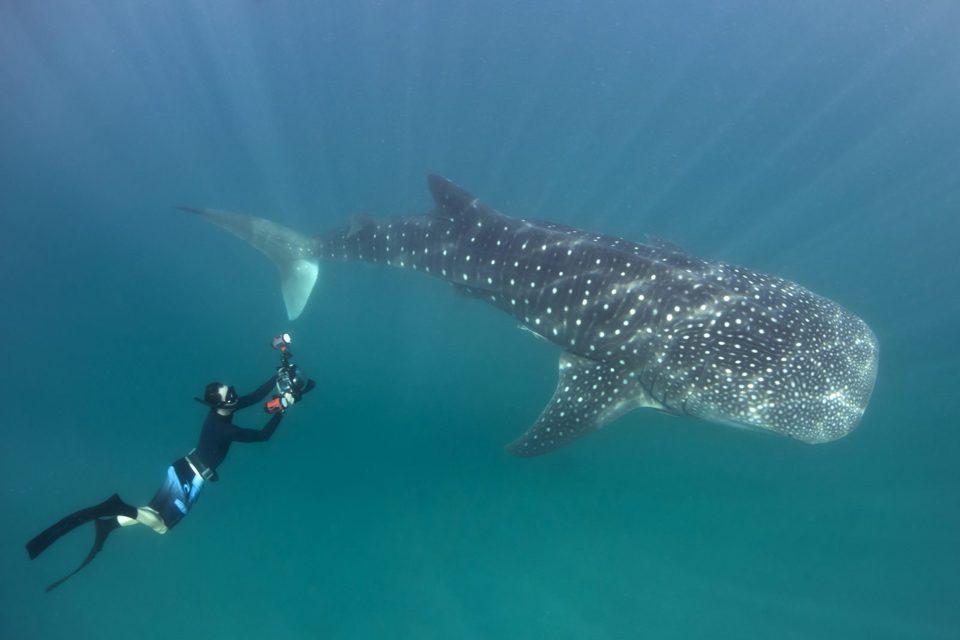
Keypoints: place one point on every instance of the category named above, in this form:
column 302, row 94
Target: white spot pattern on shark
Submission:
column 641, row 325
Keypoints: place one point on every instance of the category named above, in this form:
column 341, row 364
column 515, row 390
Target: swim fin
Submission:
column 103, row 529
column 112, row 506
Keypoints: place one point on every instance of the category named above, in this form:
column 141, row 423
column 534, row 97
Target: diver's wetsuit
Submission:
column 186, row 475
column 219, row 432
column 182, row 485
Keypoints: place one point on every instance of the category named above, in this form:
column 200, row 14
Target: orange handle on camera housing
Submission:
column 274, row 404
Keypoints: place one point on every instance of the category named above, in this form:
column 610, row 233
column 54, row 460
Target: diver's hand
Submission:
column 277, row 404
column 289, row 400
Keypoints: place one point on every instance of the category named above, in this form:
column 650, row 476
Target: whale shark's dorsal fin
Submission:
column 589, row 394
column 359, row 222
column 290, row 251
column 452, row 201
column 450, row 198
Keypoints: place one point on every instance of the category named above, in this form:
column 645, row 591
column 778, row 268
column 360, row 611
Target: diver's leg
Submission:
column 162, row 513
column 147, row 516
column 170, row 503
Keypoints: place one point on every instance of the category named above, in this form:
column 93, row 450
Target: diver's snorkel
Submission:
column 290, row 380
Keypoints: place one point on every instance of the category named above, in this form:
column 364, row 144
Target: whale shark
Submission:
column 638, row 324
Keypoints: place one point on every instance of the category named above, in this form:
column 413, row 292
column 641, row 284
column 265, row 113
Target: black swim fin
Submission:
column 112, row 506
column 103, row 529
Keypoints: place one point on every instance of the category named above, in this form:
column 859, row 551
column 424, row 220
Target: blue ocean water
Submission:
column 817, row 141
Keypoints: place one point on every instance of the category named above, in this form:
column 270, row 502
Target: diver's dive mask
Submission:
column 231, row 399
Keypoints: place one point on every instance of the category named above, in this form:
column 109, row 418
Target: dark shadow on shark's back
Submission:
column 640, row 325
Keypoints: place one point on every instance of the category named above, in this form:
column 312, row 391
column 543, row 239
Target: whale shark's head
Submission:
column 827, row 382
column 793, row 363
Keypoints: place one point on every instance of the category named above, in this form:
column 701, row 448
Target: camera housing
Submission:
column 290, row 379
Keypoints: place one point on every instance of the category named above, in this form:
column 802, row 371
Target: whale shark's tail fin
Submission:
column 290, row 251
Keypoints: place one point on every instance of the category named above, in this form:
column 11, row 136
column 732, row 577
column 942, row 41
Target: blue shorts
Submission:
column 178, row 493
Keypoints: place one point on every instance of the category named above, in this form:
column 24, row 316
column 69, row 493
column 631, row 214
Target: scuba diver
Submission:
column 186, row 477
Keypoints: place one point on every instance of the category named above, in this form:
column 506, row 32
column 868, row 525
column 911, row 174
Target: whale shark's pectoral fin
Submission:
column 291, row 252
column 589, row 394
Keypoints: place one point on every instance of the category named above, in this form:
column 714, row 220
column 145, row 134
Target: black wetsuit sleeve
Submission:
column 262, row 435
column 257, row 395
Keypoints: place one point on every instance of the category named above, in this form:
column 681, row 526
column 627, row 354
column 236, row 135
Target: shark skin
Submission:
column 639, row 325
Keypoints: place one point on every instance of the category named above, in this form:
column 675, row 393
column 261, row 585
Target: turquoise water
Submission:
column 817, row 141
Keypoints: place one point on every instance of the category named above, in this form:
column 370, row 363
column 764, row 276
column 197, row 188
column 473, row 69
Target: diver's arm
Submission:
column 262, row 435
column 257, row 395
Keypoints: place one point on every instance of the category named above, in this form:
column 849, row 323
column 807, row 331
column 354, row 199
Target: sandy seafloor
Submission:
column 817, row 141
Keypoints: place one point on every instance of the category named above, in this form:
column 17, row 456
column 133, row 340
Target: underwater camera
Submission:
column 290, row 380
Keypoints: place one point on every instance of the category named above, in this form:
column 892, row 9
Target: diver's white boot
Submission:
column 145, row 516
column 150, row 517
